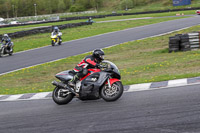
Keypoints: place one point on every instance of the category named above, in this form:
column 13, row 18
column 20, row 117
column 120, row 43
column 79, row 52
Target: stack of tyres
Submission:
column 184, row 42
column 174, row 44
column 194, row 40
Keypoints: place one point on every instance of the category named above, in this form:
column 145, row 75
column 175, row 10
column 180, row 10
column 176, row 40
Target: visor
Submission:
column 102, row 57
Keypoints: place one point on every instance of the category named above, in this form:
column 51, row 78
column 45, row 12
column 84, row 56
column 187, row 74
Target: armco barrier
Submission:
column 102, row 16
column 184, row 42
column 44, row 29
column 42, row 22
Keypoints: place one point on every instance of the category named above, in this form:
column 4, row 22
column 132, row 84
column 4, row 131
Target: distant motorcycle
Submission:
column 55, row 40
column 103, row 82
column 6, row 49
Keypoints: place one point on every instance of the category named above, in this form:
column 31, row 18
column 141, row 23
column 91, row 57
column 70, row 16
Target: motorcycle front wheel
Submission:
column 113, row 93
column 11, row 53
column 52, row 43
column 62, row 96
column 60, row 42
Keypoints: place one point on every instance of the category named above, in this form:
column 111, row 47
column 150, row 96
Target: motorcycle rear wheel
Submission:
column 112, row 94
column 61, row 100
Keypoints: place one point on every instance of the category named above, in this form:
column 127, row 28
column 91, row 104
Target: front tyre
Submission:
column 60, row 42
column 10, row 53
column 62, row 96
column 52, row 43
column 113, row 93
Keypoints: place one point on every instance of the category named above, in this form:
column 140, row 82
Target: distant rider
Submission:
column 90, row 20
column 90, row 61
column 56, row 31
column 7, row 40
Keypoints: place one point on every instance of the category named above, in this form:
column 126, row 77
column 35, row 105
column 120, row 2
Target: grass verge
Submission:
column 139, row 61
column 39, row 40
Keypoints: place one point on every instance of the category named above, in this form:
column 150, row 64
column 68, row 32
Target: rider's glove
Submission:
column 98, row 66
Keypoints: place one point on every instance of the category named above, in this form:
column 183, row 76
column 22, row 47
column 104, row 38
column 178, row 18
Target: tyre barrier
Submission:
column 61, row 20
column 45, row 29
column 184, row 42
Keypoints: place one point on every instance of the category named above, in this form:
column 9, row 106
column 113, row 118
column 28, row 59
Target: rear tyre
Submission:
column 60, row 97
column 112, row 94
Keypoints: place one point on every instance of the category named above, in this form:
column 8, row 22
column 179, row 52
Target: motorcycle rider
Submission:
column 90, row 61
column 56, row 31
column 90, row 20
column 7, row 40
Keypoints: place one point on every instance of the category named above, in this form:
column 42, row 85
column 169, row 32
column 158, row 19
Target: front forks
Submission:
column 109, row 85
column 2, row 51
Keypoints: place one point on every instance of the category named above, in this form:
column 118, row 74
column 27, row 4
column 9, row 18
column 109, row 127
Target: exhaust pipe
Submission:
column 60, row 84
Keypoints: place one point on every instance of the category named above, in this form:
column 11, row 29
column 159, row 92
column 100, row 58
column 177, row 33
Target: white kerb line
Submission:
column 177, row 82
column 139, row 87
column 13, row 97
column 40, row 95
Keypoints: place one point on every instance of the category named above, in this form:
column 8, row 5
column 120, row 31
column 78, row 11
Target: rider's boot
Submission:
column 60, row 38
column 72, row 82
column 11, row 49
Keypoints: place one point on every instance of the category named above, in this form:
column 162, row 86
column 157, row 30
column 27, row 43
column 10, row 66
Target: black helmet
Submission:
column 99, row 54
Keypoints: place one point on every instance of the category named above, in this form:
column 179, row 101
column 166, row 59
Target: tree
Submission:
column 7, row 6
column 126, row 4
column 61, row 5
column 68, row 3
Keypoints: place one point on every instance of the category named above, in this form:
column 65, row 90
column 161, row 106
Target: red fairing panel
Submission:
column 94, row 70
column 113, row 81
column 90, row 71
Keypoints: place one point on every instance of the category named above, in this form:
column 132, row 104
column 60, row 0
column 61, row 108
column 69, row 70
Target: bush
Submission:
column 126, row 3
column 77, row 8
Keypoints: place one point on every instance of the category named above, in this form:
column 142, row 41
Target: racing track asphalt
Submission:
column 49, row 53
column 169, row 110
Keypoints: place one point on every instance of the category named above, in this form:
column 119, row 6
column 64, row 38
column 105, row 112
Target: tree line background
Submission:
column 19, row 8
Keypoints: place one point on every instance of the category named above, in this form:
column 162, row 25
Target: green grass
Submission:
column 29, row 27
column 139, row 61
column 149, row 5
column 39, row 40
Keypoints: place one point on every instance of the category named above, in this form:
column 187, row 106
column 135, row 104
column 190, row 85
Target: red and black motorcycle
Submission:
column 103, row 82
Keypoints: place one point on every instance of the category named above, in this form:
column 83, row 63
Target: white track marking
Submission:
column 124, row 20
column 139, row 87
column 39, row 95
column 177, row 82
column 133, row 88
column 13, row 97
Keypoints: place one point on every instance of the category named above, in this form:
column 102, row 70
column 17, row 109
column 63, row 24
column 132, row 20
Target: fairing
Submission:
column 64, row 76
